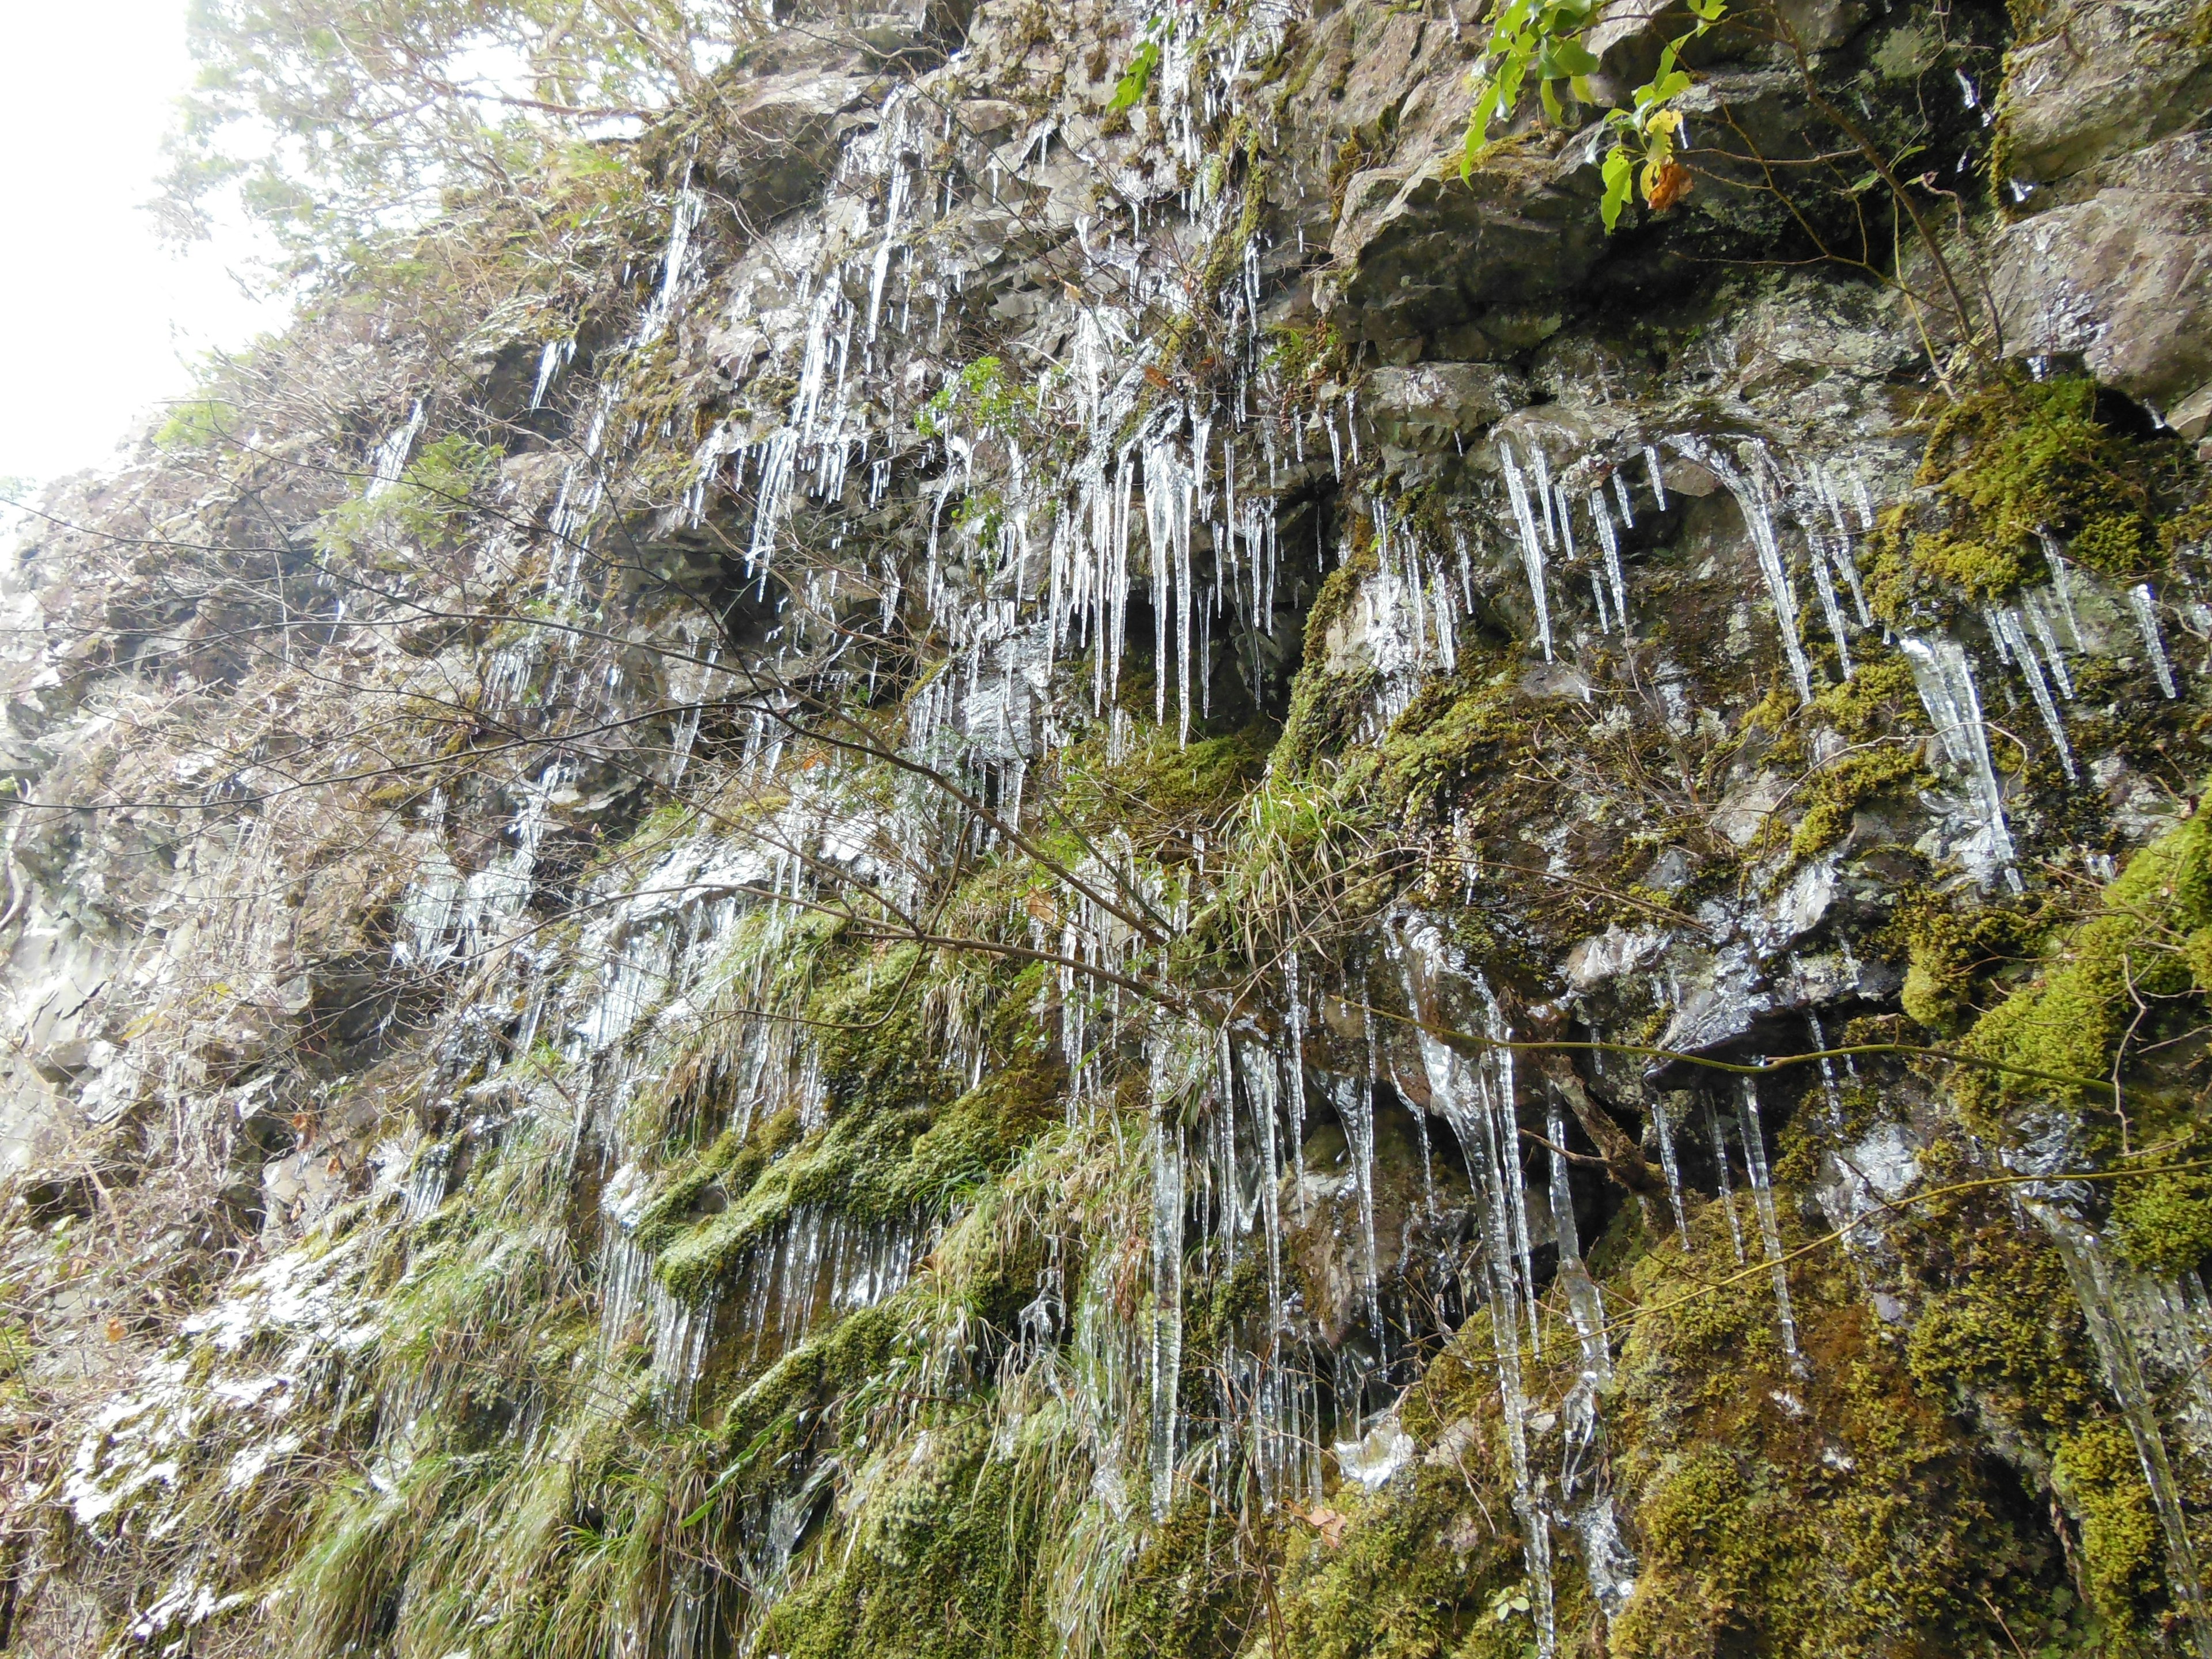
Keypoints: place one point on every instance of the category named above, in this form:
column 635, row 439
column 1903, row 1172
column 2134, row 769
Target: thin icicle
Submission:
column 1295, row 1015
column 1667, row 1162
column 1542, row 463
column 2007, row 626
column 1721, row 1171
column 2062, row 584
column 1609, row 538
column 1770, row 1228
column 1532, row 546
column 2054, row 659
column 1832, row 610
column 2082, row 1253
column 2144, row 604
column 1167, row 1306
column 1945, row 677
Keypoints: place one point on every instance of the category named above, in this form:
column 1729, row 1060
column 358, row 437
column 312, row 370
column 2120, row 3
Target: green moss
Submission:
column 1188, row 1594
column 940, row 1569
column 2163, row 1224
column 2099, row 1475
column 1327, row 707
column 895, row 1151
column 1952, row 947
column 1868, row 705
column 1333, row 603
column 1445, row 735
column 2015, row 460
column 1835, row 793
column 2005, row 1336
column 1427, row 1571
column 2109, row 975
column 1163, row 793
column 1839, row 1512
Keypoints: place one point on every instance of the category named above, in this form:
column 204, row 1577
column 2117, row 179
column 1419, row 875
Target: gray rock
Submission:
column 2110, row 75
column 1425, row 406
column 2123, row 278
column 1425, row 252
column 780, row 139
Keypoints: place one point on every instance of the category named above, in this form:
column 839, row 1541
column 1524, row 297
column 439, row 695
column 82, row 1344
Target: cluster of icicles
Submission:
column 1227, row 1145
column 1047, row 577
column 813, row 1266
column 2032, row 634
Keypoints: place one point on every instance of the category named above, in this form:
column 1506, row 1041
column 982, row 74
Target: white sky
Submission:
column 97, row 318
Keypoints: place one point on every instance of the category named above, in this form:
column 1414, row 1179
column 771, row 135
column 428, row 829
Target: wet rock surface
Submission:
column 1049, row 860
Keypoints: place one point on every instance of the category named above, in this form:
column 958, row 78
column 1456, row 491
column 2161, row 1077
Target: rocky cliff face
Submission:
column 1027, row 850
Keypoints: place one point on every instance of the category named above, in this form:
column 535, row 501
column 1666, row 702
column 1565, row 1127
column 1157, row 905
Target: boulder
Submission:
column 2109, row 76
column 2123, row 279
column 1425, row 253
column 1424, row 407
column 780, row 139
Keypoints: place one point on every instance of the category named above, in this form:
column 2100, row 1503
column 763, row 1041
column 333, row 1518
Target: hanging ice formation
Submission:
column 390, row 459
column 1945, row 677
column 1770, row 1228
column 1748, row 486
column 2006, row 630
column 2091, row 1275
column 1476, row 1096
column 2143, row 604
column 1585, row 1492
column 1532, row 547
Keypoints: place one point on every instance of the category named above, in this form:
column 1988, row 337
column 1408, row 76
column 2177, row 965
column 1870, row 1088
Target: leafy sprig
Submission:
column 1543, row 39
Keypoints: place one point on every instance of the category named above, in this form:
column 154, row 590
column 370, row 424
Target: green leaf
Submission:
column 1550, row 101
column 1135, row 78
column 1571, row 57
column 1619, row 175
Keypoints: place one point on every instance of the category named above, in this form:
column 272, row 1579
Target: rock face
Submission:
column 2107, row 262
column 1040, row 846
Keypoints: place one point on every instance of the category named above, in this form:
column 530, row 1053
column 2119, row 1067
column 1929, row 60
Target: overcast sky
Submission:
column 97, row 318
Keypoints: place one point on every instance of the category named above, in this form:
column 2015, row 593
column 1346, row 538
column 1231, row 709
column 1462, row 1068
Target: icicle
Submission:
column 1762, row 1193
column 1720, row 1170
column 1295, row 1016
column 1652, row 472
column 1667, row 1162
column 1166, row 1307
column 390, row 459
column 1542, row 463
column 1832, row 1095
column 1621, row 493
column 2086, row 1268
column 1833, row 611
column 1475, row 1097
column 2144, row 604
column 1532, row 547
column 1945, row 677
column 1759, row 517
column 1355, row 1100
column 1609, row 1566
column 2062, row 584
column 2040, row 620
column 1609, row 538
column 1263, row 1111
column 2006, row 625
column 1584, row 1303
